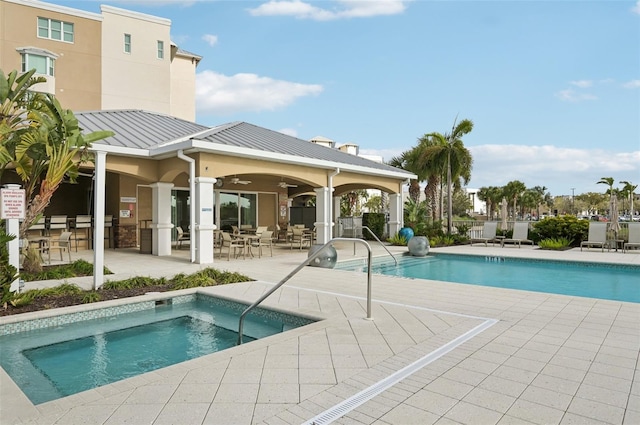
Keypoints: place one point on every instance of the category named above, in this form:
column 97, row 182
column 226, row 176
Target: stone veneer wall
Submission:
column 126, row 235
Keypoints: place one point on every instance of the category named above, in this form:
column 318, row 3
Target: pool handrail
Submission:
column 297, row 269
column 380, row 242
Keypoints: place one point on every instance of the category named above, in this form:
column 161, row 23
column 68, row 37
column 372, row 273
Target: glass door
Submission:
column 180, row 211
column 238, row 209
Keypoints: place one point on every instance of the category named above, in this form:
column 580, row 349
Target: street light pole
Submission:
column 573, row 194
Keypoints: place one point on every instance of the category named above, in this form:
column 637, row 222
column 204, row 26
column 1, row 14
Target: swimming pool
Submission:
column 604, row 281
column 54, row 362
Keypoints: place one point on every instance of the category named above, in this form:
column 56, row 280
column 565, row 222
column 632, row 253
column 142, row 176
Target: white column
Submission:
column 395, row 213
column 323, row 208
column 336, row 216
column 161, row 218
column 98, row 218
column 204, row 220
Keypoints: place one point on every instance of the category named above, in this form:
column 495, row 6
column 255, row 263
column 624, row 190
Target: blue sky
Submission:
column 553, row 87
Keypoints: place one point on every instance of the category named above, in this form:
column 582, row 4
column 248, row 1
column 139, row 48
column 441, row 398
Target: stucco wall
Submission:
column 138, row 79
column 78, row 67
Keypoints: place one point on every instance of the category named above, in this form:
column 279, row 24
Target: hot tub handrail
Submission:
column 297, row 269
column 380, row 242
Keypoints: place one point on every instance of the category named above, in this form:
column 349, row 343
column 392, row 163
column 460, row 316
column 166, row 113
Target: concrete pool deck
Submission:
column 435, row 352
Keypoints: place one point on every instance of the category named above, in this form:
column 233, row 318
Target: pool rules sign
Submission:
column 12, row 202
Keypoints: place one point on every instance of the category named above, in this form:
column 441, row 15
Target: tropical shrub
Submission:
column 375, row 222
column 567, row 226
column 555, row 244
column 397, row 240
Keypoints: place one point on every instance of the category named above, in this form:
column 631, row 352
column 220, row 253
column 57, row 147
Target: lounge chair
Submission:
column 489, row 230
column 597, row 236
column 634, row 237
column 520, row 234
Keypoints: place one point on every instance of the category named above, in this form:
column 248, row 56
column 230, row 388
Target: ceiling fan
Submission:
column 285, row 185
column 236, row 180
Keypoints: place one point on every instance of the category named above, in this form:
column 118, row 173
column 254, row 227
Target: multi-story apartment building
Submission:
column 116, row 59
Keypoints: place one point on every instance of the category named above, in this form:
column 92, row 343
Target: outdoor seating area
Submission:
column 81, row 228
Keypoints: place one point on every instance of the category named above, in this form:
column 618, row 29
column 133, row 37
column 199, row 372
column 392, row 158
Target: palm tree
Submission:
column 609, row 182
column 513, row 190
column 407, row 160
column 628, row 191
column 447, row 152
column 40, row 139
column 541, row 193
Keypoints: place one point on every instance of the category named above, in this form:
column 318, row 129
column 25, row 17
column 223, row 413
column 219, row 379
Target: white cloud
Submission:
column 636, row 8
column 221, row 94
column 633, row 84
column 210, row 39
column 556, row 168
column 343, row 9
column 569, row 95
column 582, row 83
column 289, row 132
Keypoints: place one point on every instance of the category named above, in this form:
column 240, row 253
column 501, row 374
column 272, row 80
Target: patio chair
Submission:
column 597, row 235
column 266, row 239
column 182, row 237
column 62, row 244
column 232, row 244
column 489, row 230
column 260, row 229
column 520, row 234
column 300, row 237
column 634, row 237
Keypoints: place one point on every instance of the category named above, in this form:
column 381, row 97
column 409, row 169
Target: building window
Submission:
column 160, row 49
column 55, row 30
column 127, row 43
column 43, row 64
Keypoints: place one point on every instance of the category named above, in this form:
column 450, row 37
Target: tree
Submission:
column 512, row 191
column 447, row 152
column 541, row 195
column 491, row 195
column 407, row 160
column 40, row 140
column 374, row 204
column 628, row 192
column 609, row 182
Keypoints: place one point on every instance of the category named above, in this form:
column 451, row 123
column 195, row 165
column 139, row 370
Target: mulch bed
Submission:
column 47, row 303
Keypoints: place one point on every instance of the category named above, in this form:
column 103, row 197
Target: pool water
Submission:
column 604, row 281
column 51, row 363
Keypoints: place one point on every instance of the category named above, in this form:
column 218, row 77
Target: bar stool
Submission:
column 58, row 222
column 108, row 229
column 82, row 222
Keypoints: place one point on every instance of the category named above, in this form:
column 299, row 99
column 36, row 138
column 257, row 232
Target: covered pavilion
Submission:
column 160, row 172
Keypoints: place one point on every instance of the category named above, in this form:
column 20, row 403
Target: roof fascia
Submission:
column 204, row 146
column 119, row 150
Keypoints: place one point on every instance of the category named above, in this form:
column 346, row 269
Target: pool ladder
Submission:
column 307, row 262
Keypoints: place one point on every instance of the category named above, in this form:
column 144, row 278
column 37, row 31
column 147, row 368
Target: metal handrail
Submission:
column 380, row 242
column 297, row 269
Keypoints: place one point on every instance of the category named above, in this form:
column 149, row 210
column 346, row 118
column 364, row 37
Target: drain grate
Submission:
column 367, row 394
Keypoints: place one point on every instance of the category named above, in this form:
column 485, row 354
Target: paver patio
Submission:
column 475, row 355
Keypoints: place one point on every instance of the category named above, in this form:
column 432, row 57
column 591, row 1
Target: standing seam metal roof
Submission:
column 145, row 130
